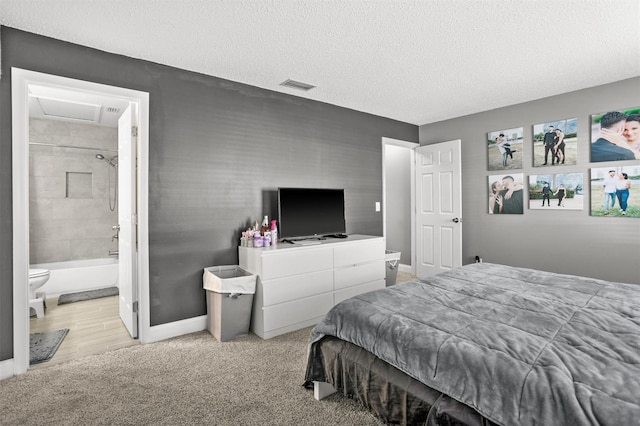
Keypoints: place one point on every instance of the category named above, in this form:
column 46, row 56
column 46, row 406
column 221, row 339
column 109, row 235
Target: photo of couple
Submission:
column 505, row 194
column 505, row 149
column 557, row 191
column 615, row 191
column 615, row 135
column 555, row 143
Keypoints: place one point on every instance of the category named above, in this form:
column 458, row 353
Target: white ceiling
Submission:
column 414, row 61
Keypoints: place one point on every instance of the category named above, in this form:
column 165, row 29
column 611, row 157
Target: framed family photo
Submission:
column 561, row 191
column 506, row 194
column 555, row 143
column 504, row 148
column 615, row 191
column 615, row 135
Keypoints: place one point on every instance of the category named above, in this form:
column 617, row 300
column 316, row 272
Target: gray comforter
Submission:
column 522, row 347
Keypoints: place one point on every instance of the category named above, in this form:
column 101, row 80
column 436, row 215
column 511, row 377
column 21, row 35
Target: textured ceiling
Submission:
column 414, row 61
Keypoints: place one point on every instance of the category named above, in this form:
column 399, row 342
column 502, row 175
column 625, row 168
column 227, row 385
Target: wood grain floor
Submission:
column 404, row 277
column 94, row 327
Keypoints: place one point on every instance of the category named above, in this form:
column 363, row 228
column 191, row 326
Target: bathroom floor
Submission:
column 404, row 277
column 94, row 327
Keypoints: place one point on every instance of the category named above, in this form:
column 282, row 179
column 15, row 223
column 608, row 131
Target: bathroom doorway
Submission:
column 398, row 206
column 91, row 161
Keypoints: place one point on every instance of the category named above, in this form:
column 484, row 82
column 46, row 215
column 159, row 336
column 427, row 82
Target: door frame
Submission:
column 20, row 81
column 410, row 146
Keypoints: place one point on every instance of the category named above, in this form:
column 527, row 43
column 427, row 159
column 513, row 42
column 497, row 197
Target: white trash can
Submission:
column 392, row 260
column 230, row 291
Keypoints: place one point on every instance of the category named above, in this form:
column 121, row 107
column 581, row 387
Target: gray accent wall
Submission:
column 570, row 241
column 218, row 152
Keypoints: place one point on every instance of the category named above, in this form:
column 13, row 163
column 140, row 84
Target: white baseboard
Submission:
column 175, row 329
column 404, row 268
column 156, row 333
column 6, row 369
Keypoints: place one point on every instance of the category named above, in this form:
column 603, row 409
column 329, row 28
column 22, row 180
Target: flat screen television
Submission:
column 310, row 212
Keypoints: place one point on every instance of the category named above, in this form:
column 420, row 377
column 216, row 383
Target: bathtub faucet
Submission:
column 117, row 229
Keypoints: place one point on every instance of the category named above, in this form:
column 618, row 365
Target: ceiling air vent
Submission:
column 112, row 109
column 297, row 85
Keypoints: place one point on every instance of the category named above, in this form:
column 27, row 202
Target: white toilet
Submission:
column 37, row 278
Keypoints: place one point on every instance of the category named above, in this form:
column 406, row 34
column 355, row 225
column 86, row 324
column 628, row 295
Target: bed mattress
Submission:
column 518, row 346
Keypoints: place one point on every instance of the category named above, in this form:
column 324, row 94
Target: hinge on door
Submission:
column 135, row 306
column 134, row 131
column 134, row 219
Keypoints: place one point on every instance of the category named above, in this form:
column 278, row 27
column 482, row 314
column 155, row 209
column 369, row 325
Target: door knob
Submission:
column 457, row 220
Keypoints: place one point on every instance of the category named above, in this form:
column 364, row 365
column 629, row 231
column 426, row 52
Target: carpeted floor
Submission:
column 187, row 380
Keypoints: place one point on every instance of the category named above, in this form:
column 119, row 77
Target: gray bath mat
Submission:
column 42, row 346
column 87, row 295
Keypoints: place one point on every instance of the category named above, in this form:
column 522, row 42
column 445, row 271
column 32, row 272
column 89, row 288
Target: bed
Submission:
column 486, row 344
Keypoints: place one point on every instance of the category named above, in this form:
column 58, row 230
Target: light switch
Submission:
column 377, row 206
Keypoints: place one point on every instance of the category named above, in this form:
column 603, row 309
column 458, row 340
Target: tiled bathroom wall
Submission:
column 69, row 215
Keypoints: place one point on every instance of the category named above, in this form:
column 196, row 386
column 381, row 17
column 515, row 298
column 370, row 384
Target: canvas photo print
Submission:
column 615, row 135
column 615, row 191
column 561, row 191
column 555, row 143
column 506, row 194
column 504, row 149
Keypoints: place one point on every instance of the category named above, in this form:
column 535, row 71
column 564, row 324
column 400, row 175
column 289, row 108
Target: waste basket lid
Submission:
column 391, row 255
column 228, row 279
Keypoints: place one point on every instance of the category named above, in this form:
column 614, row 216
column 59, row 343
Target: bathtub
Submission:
column 79, row 275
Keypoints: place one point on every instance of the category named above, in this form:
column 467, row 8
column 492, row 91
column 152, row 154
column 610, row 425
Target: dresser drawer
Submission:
column 278, row 264
column 359, row 274
column 346, row 293
column 296, row 287
column 361, row 252
column 288, row 313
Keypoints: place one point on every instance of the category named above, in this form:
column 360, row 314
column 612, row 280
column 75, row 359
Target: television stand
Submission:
column 304, row 241
column 307, row 242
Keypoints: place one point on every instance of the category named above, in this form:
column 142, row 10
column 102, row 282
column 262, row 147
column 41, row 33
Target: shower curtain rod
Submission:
column 69, row 146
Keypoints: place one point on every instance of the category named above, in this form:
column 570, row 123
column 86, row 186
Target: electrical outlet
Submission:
column 377, row 206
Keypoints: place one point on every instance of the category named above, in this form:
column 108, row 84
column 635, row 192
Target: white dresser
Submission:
column 298, row 284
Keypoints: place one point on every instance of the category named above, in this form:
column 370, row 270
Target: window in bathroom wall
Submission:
column 79, row 185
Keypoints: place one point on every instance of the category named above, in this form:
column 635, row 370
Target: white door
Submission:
column 127, row 241
column 438, row 208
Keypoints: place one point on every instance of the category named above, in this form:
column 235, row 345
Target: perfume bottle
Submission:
column 274, row 233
